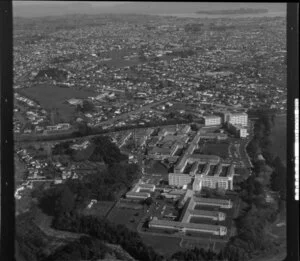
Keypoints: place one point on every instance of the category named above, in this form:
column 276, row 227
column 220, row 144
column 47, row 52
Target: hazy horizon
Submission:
column 50, row 8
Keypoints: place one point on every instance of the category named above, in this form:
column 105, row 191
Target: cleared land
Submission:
column 124, row 216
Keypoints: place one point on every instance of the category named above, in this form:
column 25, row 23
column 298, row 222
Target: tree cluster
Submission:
column 106, row 151
column 102, row 229
column 105, row 185
column 101, row 149
column 262, row 144
column 251, row 225
column 195, row 254
column 86, row 107
column 31, row 242
column 86, row 248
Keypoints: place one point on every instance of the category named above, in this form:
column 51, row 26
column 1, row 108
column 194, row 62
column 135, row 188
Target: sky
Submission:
column 45, row 8
column 102, row 3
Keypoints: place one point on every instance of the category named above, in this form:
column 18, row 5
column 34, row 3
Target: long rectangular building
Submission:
column 186, row 227
column 222, row 203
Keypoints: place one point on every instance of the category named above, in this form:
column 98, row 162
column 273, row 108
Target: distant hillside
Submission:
column 235, row 11
column 31, row 9
column 182, row 7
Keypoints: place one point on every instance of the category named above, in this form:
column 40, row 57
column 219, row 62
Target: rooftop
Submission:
column 180, row 225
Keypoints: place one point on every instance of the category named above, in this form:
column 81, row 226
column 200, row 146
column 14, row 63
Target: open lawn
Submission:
column 99, row 209
column 163, row 245
column 128, row 217
column 219, row 149
column 55, row 97
column 155, row 167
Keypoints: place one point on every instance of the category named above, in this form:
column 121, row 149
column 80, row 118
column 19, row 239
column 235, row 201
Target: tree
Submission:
column 194, row 127
column 148, row 201
column 278, row 177
column 65, row 202
column 83, row 129
column 189, row 117
column 86, row 107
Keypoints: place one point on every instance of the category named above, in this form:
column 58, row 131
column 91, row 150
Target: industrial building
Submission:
column 188, row 227
column 141, row 191
column 238, row 119
column 137, row 195
column 221, row 203
column 201, row 170
column 238, row 130
column 214, row 136
column 235, row 118
column 189, row 211
column 212, row 120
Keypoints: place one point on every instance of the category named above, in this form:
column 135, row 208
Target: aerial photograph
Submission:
column 150, row 131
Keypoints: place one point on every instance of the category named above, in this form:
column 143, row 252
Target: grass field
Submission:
column 163, row 245
column 154, row 166
column 54, row 97
column 99, row 209
column 219, row 149
column 128, row 217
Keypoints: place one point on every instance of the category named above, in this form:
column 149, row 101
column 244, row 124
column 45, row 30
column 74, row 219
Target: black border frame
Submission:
column 7, row 145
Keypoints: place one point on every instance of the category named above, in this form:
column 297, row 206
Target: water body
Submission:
column 194, row 15
column 279, row 138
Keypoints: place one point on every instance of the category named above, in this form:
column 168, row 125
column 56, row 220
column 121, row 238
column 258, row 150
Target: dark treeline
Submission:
column 195, row 254
column 104, row 230
column 108, row 184
column 101, row 149
column 252, row 237
column 86, row 248
column 53, row 73
column 251, row 225
column 262, row 144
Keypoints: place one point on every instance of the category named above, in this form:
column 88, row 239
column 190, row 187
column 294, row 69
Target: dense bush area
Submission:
column 195, row 254
column 104, row 230
column 31, row 242
column 101, row 149
column 252, row 225
column 105, row 185
column 86, row 248
column 262, row 144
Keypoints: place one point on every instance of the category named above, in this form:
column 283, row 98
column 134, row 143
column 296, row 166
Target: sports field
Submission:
column 124, row 216
column 220, row 149
column 55, row 97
